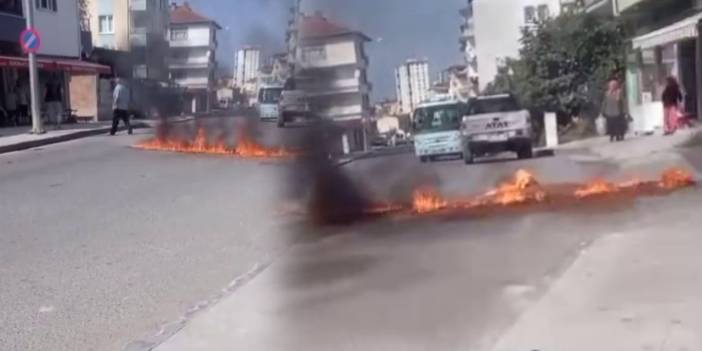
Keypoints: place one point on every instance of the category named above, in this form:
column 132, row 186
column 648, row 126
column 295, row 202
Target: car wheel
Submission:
column 423, row 159
column 525, row 152
column 468, row 157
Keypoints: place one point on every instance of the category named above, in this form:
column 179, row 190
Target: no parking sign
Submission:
column 30, row 40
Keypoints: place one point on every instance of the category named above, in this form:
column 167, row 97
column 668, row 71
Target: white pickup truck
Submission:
column 496, row 124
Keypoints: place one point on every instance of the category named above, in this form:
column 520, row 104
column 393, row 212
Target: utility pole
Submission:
column 37, row 127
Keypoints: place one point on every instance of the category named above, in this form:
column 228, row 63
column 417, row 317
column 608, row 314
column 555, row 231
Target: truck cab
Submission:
column 437, row 129
column 495, row 124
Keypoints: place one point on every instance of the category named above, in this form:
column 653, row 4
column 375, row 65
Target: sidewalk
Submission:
column 19, row 138
column 634, row 290
column 632, row 147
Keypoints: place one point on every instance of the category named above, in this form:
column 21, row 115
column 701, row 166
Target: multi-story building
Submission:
column 330, row 64
column 58, row 59
column 247, row 62
column 135, row 26
column 193, row 40
column 412, row 84
column 665, row 41
column 467, row 47
column 498, row 27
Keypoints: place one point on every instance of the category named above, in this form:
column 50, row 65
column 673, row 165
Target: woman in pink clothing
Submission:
column 672, row 97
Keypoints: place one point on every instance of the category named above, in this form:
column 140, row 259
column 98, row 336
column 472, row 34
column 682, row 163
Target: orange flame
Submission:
column 522, row 188
column 246, row 147
column 676, row 178
column 428, row 200
column 597, row 187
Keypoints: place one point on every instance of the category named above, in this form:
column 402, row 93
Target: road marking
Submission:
column 46, row 309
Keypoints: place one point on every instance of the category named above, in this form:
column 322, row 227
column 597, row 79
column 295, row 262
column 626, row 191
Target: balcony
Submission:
column 601, row 7
column 138, row 38
column 140, row 72
column 138, row 5
column 192, row 81
column 197, row 62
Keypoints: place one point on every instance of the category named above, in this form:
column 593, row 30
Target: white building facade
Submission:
column 497, row 27
column 467, row 47
column 412, row 84
column 192, row 64
column 331, row 67
column 247, row 62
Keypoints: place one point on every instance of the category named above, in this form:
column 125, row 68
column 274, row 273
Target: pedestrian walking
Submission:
column 53, row 98
column 672, row 97
column 22, row 103
column 120, row 106
column 614, row 111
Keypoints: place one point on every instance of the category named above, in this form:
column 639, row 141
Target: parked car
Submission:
column 495, row 124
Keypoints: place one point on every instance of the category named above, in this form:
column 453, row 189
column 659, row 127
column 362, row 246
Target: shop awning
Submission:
column 684, row 29
column 49, row 64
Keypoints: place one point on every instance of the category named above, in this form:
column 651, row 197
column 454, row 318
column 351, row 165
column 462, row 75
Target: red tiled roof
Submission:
column 318, row 26
column 184, row 14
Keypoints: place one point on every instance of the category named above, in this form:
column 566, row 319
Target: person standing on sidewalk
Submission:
column 52, row 100
column 672, row 97
column 614, row 111
column 22, row 102
column 11, row 107
column 120, row 106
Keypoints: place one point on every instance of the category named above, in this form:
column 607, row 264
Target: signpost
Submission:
column 31, row 43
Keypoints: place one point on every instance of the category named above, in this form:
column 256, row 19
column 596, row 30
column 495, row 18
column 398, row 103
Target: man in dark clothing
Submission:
column 120, row 107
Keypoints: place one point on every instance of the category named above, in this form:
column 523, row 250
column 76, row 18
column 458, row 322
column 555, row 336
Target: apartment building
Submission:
column 467, row 47
column 135, row 26
column 331, row 66
column 247, row 62
column 193, row 41
column 58, row 59
column 497, row 27
column 412, row 84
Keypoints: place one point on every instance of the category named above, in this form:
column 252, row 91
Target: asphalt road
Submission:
column 103, row 245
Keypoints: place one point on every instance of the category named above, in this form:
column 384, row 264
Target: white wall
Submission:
column 338, row 52
column 198, row 35
column 498, row 26
column 60, row 30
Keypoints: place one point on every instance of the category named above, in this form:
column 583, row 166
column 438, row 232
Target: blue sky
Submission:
column 402, row 29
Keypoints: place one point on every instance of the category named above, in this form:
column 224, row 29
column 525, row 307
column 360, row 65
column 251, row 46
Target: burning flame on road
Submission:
column 676, row 178
column 598, row 187
column 246, row 147
column 524, row 189
column 428, row 200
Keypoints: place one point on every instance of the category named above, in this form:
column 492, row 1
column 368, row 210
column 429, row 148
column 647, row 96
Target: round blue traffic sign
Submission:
column 30, row 40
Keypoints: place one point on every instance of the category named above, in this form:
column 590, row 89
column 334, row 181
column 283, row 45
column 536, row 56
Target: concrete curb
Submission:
column 372, row 154
column 79, row 134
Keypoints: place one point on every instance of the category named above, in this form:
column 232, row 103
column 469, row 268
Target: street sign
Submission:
column 30, row 40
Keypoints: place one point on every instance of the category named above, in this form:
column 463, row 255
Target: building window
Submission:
column 106, row 24
column 164, row 4
column 49, row 5
column 543, row 12
column 314, row 53
column 179, row 34
column 529, row 14
column 11, row 6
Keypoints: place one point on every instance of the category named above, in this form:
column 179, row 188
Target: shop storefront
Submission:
column 14, row 73
column 654, row 56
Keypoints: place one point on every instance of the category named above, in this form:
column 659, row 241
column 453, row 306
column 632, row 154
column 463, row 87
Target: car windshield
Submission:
column 269, row 95
column 493, row 105
column 437, row 118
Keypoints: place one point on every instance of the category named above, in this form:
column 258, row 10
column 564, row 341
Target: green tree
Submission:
column 564, row 64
